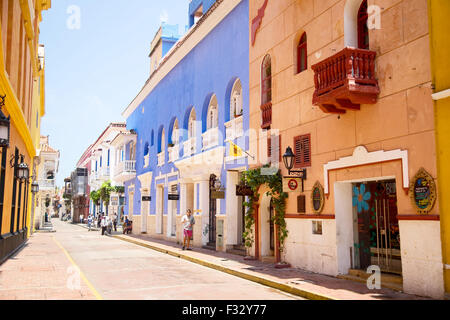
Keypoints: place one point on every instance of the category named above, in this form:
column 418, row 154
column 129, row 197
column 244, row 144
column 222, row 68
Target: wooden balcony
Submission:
column 345, row 81
column 266, row 111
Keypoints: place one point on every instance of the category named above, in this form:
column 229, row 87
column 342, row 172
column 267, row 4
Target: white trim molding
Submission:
column 441, row 95
column 362, row 157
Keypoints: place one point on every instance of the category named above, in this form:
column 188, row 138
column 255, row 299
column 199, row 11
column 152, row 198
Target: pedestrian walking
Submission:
column 103, row 225
column 188, row 222
column 82, row 218
column 114, row 219
column 109, row 225
column 90, row 222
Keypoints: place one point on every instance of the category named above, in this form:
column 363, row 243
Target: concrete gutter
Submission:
column 258, row 279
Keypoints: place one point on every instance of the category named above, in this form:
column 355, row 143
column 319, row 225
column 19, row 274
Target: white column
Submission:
column 203, row 189
column 232, row 207
column 183, row 198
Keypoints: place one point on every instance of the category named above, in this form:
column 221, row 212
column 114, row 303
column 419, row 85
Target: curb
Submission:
column 310, row 295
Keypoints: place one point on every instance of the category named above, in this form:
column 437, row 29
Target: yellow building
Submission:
column 439, row 12
column 22, row 99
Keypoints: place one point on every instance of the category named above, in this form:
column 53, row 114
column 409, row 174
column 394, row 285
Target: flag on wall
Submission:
column 235, row 150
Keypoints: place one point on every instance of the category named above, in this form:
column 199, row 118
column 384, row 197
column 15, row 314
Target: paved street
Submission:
column 114, row 269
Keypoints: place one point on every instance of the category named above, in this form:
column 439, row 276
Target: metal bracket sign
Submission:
column 291, row 184
column 174, row 196
column 217, row 194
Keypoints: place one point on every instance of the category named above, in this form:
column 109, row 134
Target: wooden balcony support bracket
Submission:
column 345, row 80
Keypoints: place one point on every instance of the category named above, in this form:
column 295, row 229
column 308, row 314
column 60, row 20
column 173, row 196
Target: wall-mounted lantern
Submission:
column 34, row 187
column 288, row 159
column 5, row 125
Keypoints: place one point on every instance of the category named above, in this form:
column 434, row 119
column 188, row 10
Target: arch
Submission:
column 212, row 115
column 205, row 110
column 174, row 133
column 161, row 140
column 191, row 124
column 236, row 108
column 266, row 80
column 351, row 22
column 230, row 87
column 302, row 54
column 146, row 149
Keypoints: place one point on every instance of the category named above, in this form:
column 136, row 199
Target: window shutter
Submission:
column 269, row 148
column 302, row 151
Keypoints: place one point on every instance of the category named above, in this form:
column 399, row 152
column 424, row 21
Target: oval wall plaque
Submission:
column 317, row 198
column 422, row 192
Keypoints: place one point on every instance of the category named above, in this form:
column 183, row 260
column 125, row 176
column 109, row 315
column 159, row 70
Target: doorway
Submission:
column 212, row 211
column 160, row 209
column 174, row 211
column 376, row 228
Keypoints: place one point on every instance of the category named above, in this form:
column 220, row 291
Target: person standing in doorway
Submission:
column 188, row 222
column 114, row 220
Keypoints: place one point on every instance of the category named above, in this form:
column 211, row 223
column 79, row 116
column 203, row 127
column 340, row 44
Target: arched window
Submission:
column 191, row 125
column 266, row 80
column 302, row 54
column 236, row 108
column 213, row 119
column 163, row 141
column 50, row 175
column 153, row 138
column 175, row 133
column 363, row 29
column 146, row 149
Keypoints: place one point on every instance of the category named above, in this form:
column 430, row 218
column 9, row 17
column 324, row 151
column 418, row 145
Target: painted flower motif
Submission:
column 360, row 198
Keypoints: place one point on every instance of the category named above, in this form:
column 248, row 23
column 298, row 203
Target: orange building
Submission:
column 22, row 99
column 347, row 85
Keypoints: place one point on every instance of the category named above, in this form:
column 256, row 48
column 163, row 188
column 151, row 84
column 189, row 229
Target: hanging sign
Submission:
column 291, row 184
column 174, row 196
column 244, row 191
column 146, row 198
column 217, row 195
column 422, row 192
column 317, row 198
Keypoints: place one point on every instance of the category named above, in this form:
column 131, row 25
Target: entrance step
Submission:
column 237, row 250
column 390, row 281
column 268, row 259
column 210, row 246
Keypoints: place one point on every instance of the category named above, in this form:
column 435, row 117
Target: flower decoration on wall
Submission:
column 360, row 198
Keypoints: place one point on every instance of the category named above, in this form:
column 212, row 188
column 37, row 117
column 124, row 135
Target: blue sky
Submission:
column 93, row 72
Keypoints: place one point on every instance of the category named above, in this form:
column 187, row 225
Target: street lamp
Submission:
column 288, row 159
column 5, row 125
column 34, row 187
column 22, row 172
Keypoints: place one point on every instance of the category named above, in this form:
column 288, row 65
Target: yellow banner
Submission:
column 235, row 150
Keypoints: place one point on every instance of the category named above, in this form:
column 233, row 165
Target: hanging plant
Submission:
column 254, row 179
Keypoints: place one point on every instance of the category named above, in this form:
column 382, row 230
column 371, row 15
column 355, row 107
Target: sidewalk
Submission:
column 292, row 280
column 42, row 270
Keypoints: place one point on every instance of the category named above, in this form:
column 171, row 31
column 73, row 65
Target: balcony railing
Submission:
column 346, row 80
column 266, row 110
column 210, row 138
column 174, row 153
column 126, row 167
column 234, row 128
column 47, row 184
column 190, row 147
column 161, row 159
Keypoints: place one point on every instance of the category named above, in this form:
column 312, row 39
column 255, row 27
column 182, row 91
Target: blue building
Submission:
column 192, row 109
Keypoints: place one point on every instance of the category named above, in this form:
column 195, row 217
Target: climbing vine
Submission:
column 254, row 179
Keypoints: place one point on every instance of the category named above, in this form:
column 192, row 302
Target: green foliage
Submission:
column 254, row 179
column 119, row 189
column 105, row 192
column 95, row 197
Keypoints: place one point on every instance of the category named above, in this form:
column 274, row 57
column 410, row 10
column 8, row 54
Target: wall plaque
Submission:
column 174, row 196
column 146, row 198
column 291, row 184
column 217, row 195
column 422, row 192
column 317, row 198
column 244, row 191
